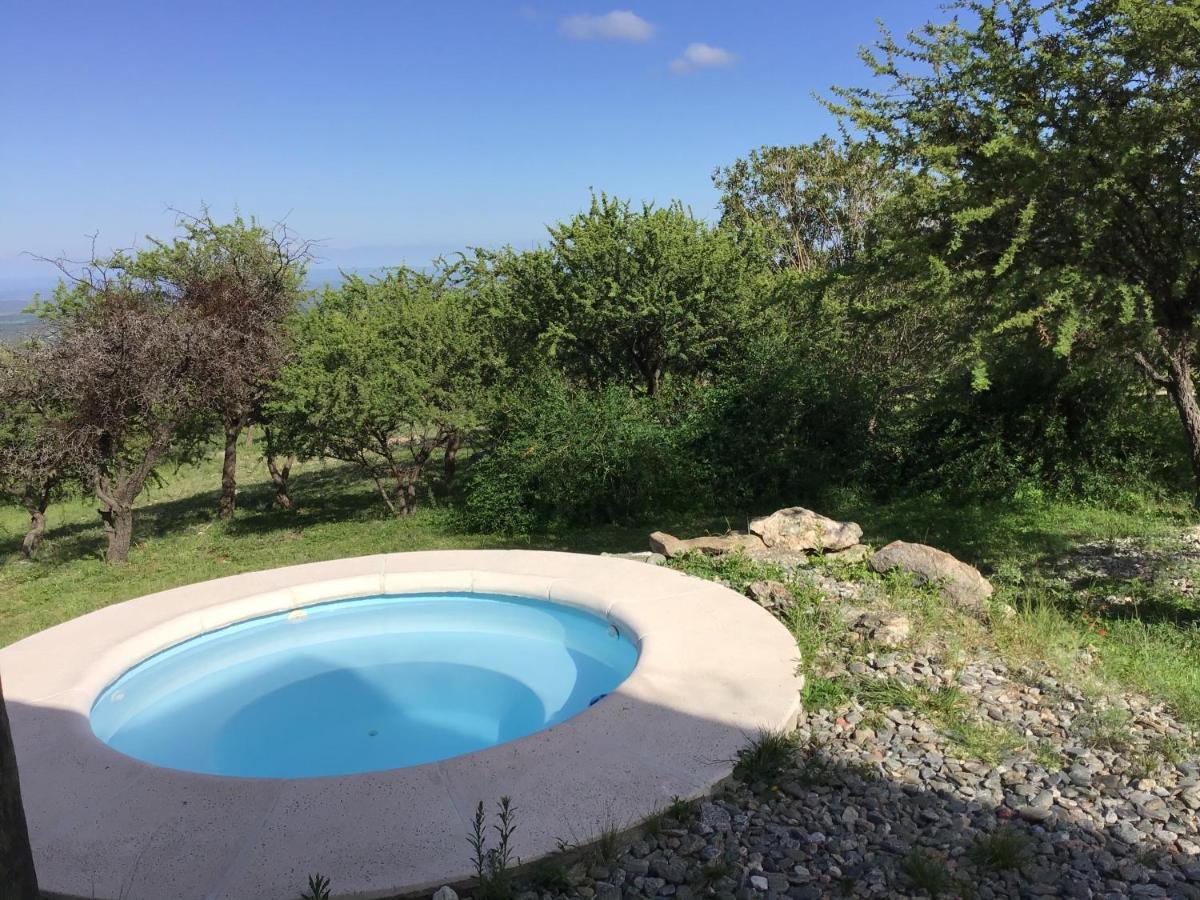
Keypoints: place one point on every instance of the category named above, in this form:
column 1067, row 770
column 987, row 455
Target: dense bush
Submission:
column 566, row 454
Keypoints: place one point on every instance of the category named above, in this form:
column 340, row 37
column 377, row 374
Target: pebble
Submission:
column 871, row 786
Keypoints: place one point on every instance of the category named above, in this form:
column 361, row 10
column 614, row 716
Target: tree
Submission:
column 1059, row 143
column 38, row 453
column 16, row 855
column 279, row 467
column 126, row 368
column 629, row 294
column 857, row 320
column 813, row 203
column 383, row 373
column 242, row 281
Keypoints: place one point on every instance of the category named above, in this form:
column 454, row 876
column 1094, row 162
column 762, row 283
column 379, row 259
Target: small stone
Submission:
column 714, row 816
column 759, row 882
column 445, row 892
column 607, row 891
column 771, row 594
column 635, row 867
column 670, row 871
column 1032, row 813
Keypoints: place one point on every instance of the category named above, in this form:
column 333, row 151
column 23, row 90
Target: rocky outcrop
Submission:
column 798, row 529
column 958, row 582
column 710, row 544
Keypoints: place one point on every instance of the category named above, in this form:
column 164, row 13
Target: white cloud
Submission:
column 618, row 25
column 702, row 56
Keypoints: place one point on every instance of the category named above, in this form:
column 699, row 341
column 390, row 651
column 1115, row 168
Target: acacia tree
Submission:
column 241, row 280
column 1059, row 146
column 854, row 311
column 125, row 367
column 383, row 373
column 813, row 204
column 38, row 454
column 629, row 294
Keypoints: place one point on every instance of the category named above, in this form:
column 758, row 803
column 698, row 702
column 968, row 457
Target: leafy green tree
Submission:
column 813, row 203
column 39, row 456
column 569, row 454
column 383, row 373
column 850, row 324
column 242, row 281
column 630, row 294
column 1057, row 144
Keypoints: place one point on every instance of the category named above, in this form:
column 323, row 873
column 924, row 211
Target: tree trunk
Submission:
column 118, row 525
column 36, row 507
column 279, row 478
column 1182, row 390
column 450, row 460
column 233, row 430
column 16, row 856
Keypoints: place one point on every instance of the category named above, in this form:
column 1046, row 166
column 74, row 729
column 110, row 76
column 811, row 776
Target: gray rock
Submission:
column 445, row 892
column 889, row 629
column 714, row 816
column 771, row 594
column 852, row 554
column 670, row 871
column 960, row 583
column 712, row 545
column 800, row 529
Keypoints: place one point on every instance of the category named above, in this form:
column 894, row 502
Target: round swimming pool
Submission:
column 362, row 685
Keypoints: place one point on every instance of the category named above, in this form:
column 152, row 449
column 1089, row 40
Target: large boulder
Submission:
column 960, row 583
column 711, row 544
column 798, row 529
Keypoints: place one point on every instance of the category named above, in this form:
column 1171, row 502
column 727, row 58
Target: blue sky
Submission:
column 394, row 131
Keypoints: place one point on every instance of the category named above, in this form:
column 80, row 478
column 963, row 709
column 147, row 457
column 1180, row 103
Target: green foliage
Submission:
column 734, row 569
column 681, row 810
column 812, row 204
column 628, row 295
column 318, row 888
column 382, row 373
column 493, row 864
column 823, row 693
column 550, row 874
column 765, row 756
column 564, row 454
column 1003, row 850
column 927, row 873
column 1053, row 146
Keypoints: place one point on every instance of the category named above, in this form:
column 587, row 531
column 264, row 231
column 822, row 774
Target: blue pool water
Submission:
column 364, row 684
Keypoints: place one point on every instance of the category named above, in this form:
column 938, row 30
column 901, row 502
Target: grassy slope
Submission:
column 1152, row 645
column 179, row 540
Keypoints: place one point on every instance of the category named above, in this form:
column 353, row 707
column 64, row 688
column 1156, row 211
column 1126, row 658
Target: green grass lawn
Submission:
column 1151, row 644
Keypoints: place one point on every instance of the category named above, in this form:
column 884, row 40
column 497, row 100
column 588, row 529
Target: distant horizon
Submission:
column 16, row 292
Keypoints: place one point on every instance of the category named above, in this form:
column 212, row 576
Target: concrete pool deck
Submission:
column 713, row 669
